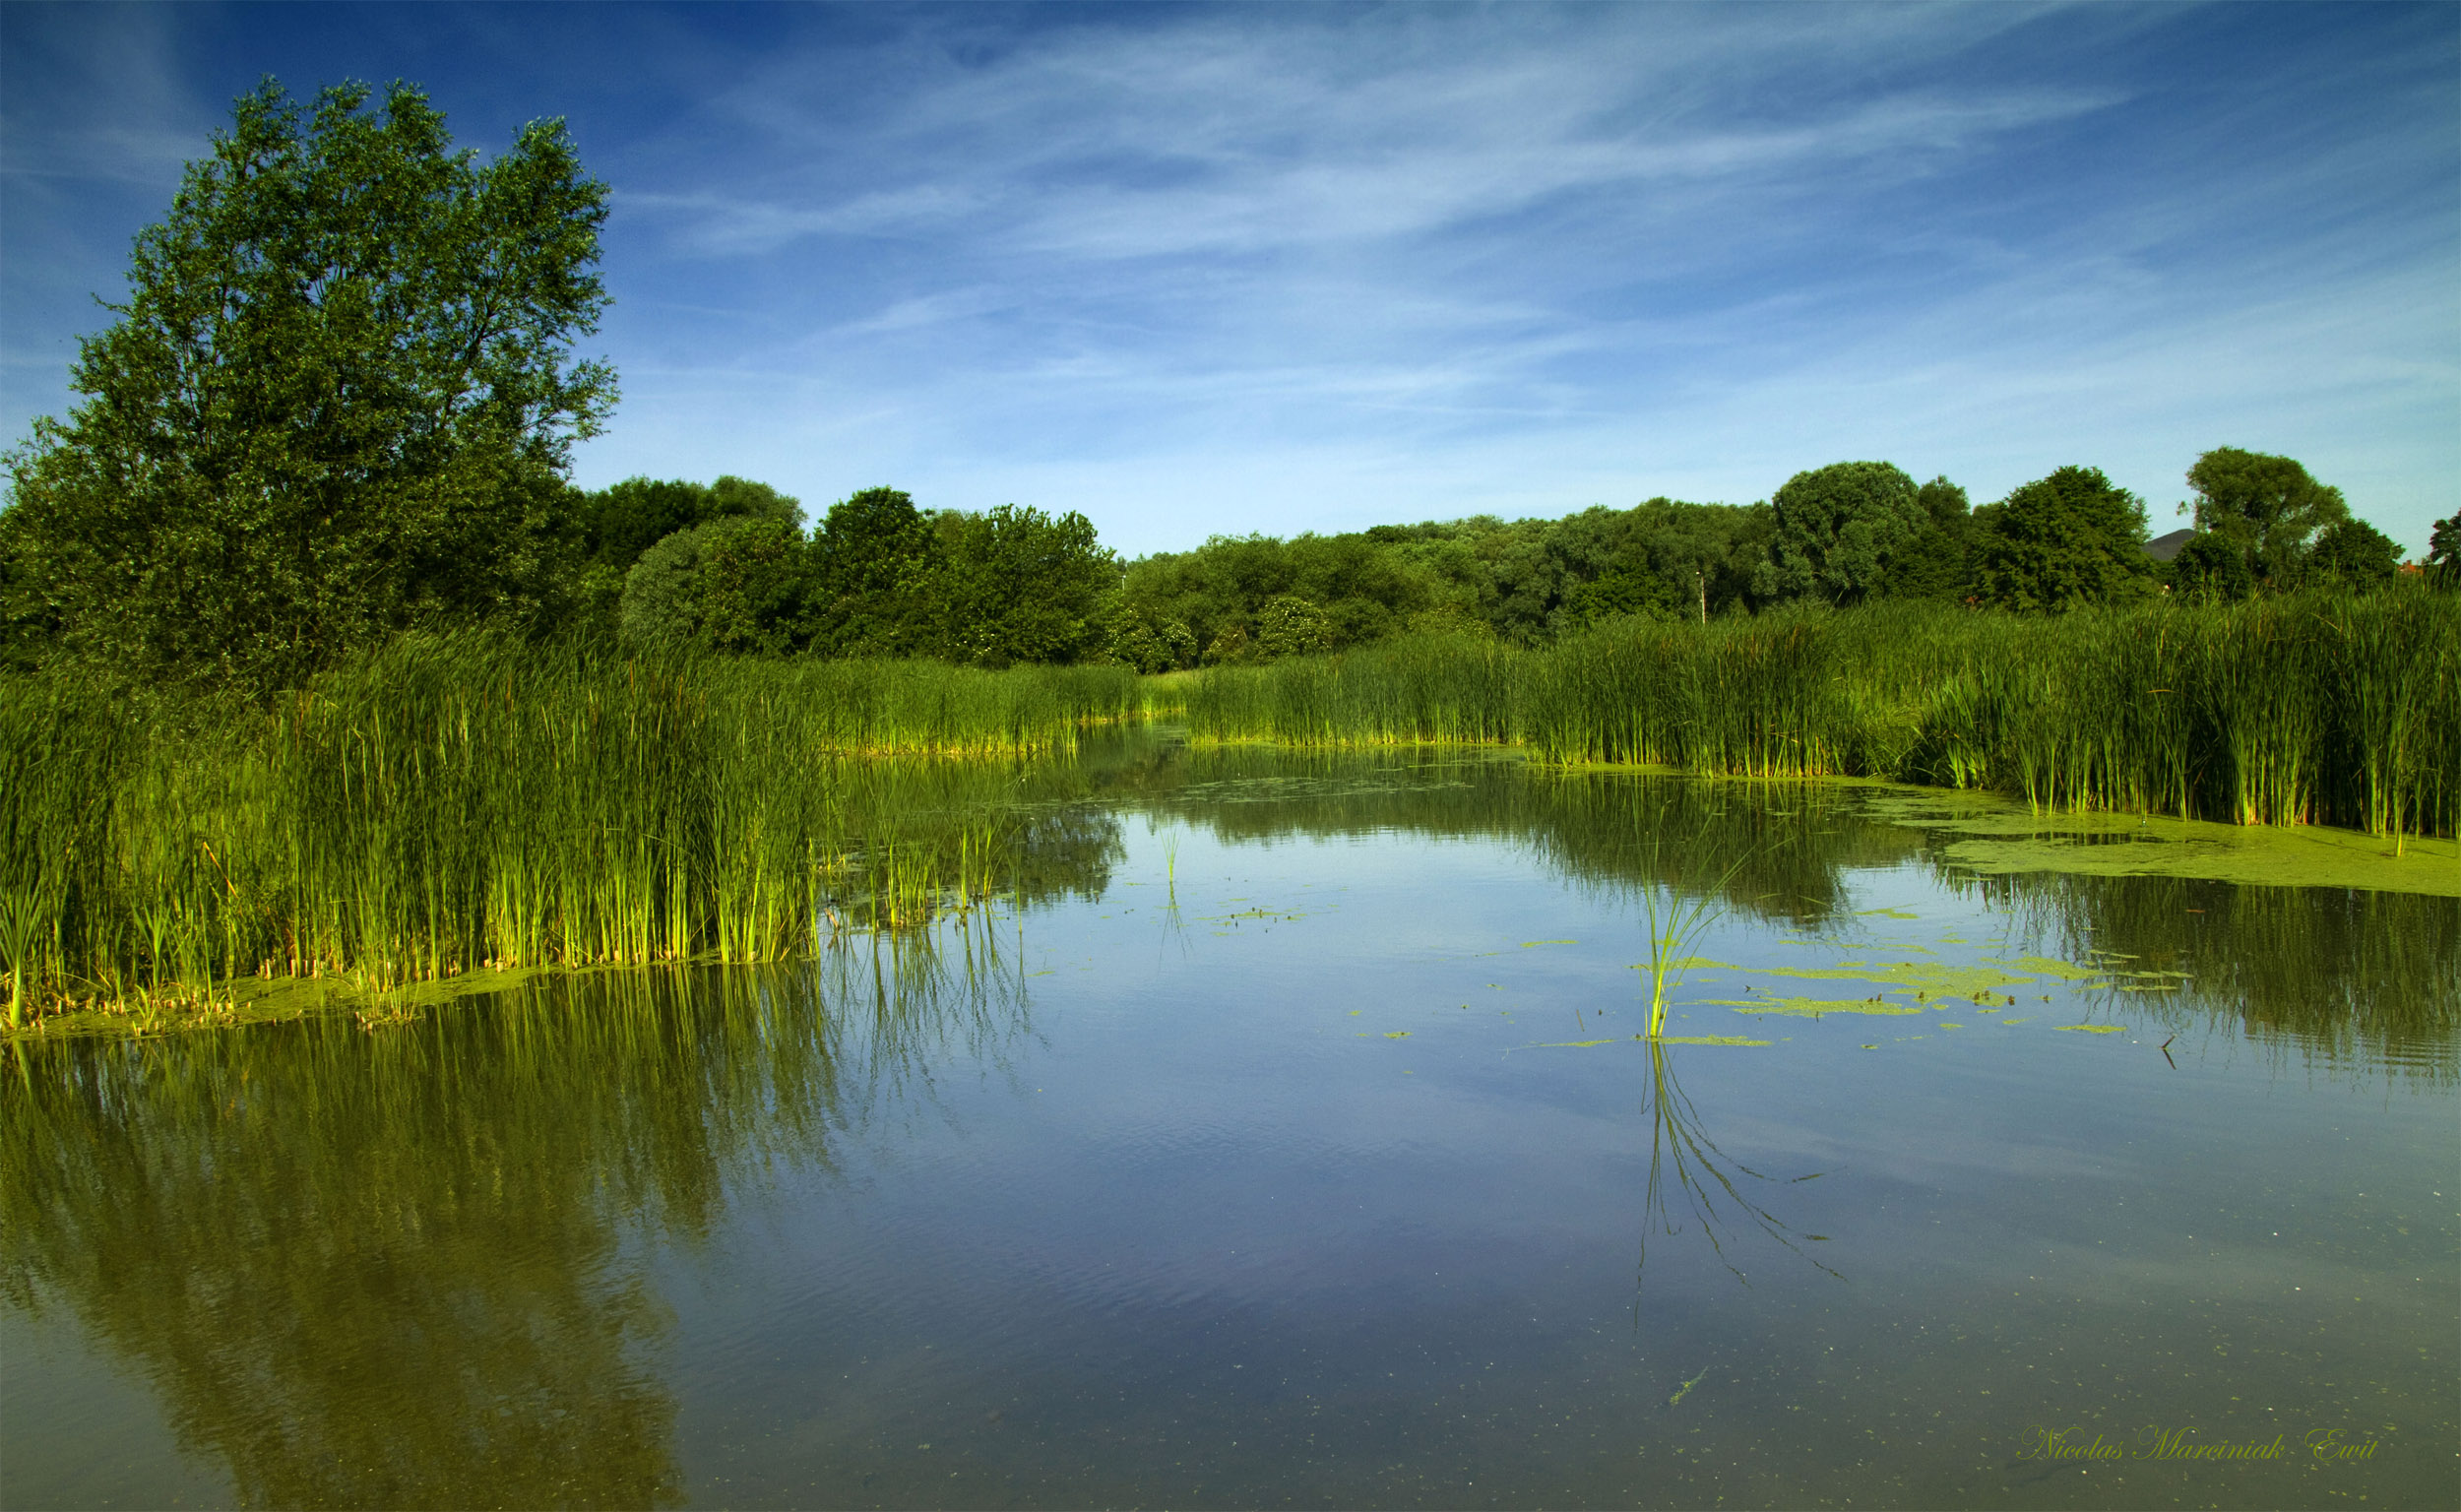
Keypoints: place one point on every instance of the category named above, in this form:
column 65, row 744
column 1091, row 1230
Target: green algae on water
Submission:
column 1816, row 1007
column 1685, row 1390
column 1998, row 837
column 1925, row 976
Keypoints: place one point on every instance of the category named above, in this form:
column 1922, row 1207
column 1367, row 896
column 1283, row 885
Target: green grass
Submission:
column 2319, row 709
column 456, row 804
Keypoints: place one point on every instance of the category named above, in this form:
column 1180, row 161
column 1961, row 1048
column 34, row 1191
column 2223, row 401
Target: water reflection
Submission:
column 411, row 1267
column 1711, row 1191
column 417, row 1266
column 2348, row 978
column 1795, row 843
column 927, row 834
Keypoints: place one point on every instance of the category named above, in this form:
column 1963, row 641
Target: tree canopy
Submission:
column 1018, row 584
column 877, row 560
column 2265, row 507
column 2073, row 537
column 1838, row 531
column 2353, row 555
column 339, row 398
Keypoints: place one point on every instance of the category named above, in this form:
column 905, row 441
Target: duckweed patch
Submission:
column 2042, row 966
column 1996, row 836
column 1816, row 1007
column 1927, row 977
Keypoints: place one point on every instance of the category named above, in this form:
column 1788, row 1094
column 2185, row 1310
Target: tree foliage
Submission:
column 1840, row 530
column 1935, row 562
column 1018, row 584
column 2353, row 555
column 877, row 575
column 1526, row 581
column 2071, row 538
column 739, row 584
column 2264, row 505
column 616, row 527
column 339, row 398
column 2443, row 553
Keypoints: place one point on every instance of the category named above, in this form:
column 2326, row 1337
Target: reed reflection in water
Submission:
column 1713, row 1192
column 2350, row 979
column 413, row 1267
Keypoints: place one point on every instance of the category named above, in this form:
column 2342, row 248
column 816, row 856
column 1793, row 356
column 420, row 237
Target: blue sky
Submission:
column 1198, row 269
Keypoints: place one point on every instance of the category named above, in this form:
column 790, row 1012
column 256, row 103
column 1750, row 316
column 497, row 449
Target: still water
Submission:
column 1288, row 1143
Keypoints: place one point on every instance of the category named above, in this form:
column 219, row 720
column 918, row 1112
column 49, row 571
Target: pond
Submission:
column 1292, row 1141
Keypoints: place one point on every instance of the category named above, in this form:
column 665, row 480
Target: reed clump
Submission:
column 458, row 802
column 2325, row 708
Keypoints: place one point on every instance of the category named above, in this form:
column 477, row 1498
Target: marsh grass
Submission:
column 2320, row 709
column 453, row 804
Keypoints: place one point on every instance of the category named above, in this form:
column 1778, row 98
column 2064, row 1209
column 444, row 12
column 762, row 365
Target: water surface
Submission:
column 1291, row 1144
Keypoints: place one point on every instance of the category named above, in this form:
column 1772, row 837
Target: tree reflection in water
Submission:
column 413, row 1268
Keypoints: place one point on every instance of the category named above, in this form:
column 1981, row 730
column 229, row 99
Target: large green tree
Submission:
column 2072, row 539
column 2266, row 507
column 1838, row 531
column 1934, row 563
column 339, row 398
column 619, row 523
column 1018, row 584
column 738, row 583
column 2354, row 554
column 877, row 573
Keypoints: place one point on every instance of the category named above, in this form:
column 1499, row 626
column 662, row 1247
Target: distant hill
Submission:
column 2163, row 548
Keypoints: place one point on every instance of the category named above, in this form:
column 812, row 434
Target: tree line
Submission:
column 340, row 397
column 1850, row 533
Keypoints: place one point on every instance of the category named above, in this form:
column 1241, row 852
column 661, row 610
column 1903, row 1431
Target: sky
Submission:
column 1209, row 269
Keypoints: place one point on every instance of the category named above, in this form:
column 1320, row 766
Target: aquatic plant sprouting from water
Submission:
column 1674, row 922
column 454, row 804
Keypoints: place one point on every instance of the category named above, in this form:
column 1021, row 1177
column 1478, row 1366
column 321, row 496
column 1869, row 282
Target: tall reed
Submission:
column 458, row 802
column 2325, row 707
